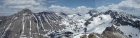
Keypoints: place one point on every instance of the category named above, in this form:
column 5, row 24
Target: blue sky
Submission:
column 87, row 3
column 9, row 7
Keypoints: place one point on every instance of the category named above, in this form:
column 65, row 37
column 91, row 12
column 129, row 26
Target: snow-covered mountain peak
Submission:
column 92, row 12
column 25, row 12
column 95, row 22
column 58, row 25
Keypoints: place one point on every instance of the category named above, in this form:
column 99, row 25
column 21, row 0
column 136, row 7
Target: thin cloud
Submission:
column 129, row 6
column 79, row 9
column 13, row 6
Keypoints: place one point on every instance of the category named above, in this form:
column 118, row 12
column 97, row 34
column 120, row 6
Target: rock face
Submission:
column 91, row 35
column 2, row 19
column 112, row 32
column 83, row 36
column 26, row 24
column 110, row 24
column 124, row 19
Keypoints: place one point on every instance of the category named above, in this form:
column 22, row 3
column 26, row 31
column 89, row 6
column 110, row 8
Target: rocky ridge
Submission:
column 109, row 24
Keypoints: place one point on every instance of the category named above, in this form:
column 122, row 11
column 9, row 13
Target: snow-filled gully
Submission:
column 50, row 21
column 6, row 30
column 41, row 24
column 47, row 21
column 56, row 21
column 37, row 24
column 30, row 29
column 23, row 24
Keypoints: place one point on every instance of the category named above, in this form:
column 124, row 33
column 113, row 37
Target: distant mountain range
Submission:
column 94, row 24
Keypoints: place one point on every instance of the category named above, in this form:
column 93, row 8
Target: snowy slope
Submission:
column 130, row 31
column 58, row 25
column 98, row 23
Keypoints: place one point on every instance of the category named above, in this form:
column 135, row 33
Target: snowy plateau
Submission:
column 93, row 24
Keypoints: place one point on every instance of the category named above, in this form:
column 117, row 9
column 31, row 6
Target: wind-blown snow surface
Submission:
column 129, row 30
column 46, row 23
column 75, row 24
column 99, row 24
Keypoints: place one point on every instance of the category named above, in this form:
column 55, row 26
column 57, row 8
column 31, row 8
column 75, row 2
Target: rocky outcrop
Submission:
column 91, row 35
column 112, row 32
column 26, row 24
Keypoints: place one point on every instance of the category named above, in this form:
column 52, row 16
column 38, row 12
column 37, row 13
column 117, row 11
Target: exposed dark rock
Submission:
column 63, row 14
column 91, row 12
column 79, row 14
column 112, row 28
column 83, row 36
column 129, row 35
column 7, row 34
column 123, row 18
column 22, row 23
column 40, row 24
column 87, row 23
column 91, row 35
